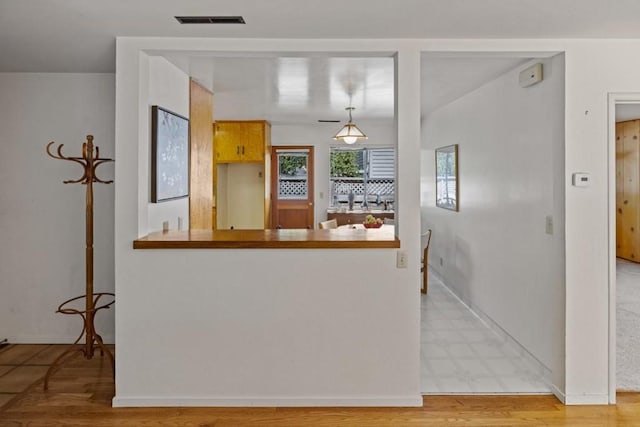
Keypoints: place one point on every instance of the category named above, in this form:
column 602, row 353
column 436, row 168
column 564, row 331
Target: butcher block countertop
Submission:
column 271, row 239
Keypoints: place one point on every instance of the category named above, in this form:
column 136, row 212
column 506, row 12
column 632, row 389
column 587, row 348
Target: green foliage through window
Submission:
column 289, row 165
column 345, row 164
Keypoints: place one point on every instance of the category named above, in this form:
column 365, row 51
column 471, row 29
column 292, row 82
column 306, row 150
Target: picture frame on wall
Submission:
column 169, row 155
column 447, row 189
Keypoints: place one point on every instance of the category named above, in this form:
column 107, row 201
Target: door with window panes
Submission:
column 292, row 187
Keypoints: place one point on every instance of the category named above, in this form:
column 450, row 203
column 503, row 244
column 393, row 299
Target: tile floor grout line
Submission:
column 19, row 365
column 483, row 362
column 4, row 348
column 19, row 396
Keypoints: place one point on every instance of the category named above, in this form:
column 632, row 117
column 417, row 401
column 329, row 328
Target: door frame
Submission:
column 614, row 98
column 310, row 178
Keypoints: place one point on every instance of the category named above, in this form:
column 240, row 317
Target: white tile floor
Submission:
column 460, row 354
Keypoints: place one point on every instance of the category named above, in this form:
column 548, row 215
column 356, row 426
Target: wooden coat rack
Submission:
column 89, row 161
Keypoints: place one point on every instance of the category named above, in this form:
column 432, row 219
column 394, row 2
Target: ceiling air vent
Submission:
column 328, row 121
column 210, row 19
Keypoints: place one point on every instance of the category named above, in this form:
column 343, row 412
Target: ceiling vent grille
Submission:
column 210, row 19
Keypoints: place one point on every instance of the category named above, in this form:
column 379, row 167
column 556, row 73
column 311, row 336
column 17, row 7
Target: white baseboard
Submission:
column 586, row 399
column 51, row 339
column 558, row 393
column 123, row 402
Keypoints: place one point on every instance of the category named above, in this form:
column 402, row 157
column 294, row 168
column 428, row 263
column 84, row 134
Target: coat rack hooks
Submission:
column 89, row 161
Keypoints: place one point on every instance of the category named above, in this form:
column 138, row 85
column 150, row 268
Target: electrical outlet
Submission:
column 401, row 259
column 321, row 195
column 548, row 226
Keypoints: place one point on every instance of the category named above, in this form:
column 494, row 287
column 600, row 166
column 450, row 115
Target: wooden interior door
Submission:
column 628, row 190
column 292, row 187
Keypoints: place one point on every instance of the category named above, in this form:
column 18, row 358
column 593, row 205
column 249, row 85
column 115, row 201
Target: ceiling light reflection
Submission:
column 293, row 82
column 367, row 82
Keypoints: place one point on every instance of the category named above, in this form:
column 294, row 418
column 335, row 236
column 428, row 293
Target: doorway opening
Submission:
column 292, row 187
column 493, row 320
column 624, row 245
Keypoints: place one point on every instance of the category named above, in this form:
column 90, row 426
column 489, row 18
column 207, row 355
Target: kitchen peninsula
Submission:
column 268, row 317
column 270, row 239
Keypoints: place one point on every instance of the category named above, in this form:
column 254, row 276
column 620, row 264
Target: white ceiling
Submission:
column 295, row 89
column 300, row 90
column 304, row 89
column 79, row 35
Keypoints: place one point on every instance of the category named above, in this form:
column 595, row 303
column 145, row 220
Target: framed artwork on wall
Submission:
column 169, row 155
column 447, row 177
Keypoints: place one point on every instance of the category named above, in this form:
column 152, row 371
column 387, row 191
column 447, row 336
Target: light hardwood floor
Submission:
column 81, row 391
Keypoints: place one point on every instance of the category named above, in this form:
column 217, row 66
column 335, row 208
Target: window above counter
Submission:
column 365, row 174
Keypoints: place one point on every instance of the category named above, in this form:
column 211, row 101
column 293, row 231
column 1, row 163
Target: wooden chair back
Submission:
column 425, row 239
column 331, row 223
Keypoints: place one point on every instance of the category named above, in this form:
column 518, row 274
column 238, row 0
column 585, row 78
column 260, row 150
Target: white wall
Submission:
column 260, row 327
column 42, row 220
column 320, row 136
column 609, row 69
column 494, row 252
column 594, row 68
column 168, row 88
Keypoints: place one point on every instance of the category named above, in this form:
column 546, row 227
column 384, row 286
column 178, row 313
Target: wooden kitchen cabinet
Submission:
column 241, row 140
column 241, row 174
column 628, row 190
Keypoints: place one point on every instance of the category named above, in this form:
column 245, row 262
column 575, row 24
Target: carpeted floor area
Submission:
column 628, row 325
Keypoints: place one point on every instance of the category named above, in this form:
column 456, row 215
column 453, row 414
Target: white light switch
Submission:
column 549, row 225
column 401, row 260
column 581, row 179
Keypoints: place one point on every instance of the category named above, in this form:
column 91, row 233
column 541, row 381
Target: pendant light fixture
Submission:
column 350, row 134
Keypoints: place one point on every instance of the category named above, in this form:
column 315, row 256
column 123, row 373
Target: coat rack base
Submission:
column 92, row 340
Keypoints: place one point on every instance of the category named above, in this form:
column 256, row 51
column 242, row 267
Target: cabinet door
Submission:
column 253, row 143
column 227, row 141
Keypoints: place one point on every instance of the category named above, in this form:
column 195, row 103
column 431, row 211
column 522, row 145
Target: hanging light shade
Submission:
column 350, row 134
